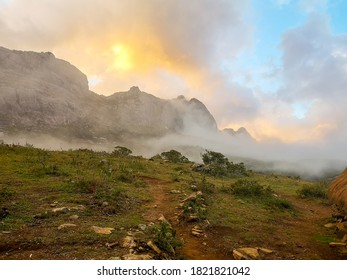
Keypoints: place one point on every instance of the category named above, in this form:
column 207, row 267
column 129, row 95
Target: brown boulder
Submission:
column 338, row 191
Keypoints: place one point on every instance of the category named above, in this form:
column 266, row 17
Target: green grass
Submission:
column 32, row 179
column 317, row 190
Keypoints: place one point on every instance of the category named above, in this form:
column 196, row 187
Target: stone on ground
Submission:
column 128, row 242
column 63, row 226
column 100, row 230
column 131, row 257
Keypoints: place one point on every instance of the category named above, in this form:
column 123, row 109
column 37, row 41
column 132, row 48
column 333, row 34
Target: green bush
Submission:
column 214, row 158
column 278, row 203
column 205, row 186
column 125, row 174
column 174, row 156
column 120, row 151
column 318, row 190
column 250, row 188
column 216, row 164
column 257, row 193
column 165, row 238
column 195, row 207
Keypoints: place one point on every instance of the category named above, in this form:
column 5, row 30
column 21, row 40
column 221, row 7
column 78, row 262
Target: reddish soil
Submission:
column 293, row 237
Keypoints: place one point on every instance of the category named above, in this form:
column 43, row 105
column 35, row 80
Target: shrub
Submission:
column 318, row 190
column 165, row 238
column 278, row 203
column 86, row 186
column 195, row 208
column 120, row 151
column 205, row 186
column 174, row 156
column 258, row 193
column 250, row 188
column 125, row 174
column 215, row 158
column 216, row 164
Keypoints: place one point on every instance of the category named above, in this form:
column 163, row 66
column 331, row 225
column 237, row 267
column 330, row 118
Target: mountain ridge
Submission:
column 40, row 93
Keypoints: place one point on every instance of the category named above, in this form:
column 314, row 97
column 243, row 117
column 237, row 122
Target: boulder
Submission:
column 252, row 253
column 264, row 251
column 248, row 253
column 59, row 210
column 132, row 257
column 239, row 256
column 342, row 227
column 63, row 226
column 192, row 197
column 164, row 220
column 78, row 207
column 154, row 247
column 330, row 225
column 128, row 242
column 142, row 227
column 338, row 191
column 100, row 230
column 337, row 244
column 74, row 217
column 111, row 245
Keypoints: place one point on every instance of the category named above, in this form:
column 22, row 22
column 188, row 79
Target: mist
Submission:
column 305, row 160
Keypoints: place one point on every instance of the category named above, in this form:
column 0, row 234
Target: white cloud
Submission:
column 310, row 6
column 282, row 3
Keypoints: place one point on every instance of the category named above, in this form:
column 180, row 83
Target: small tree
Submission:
column 120, row 151
column 174, row 156
column 215, row 158
column 216, row 164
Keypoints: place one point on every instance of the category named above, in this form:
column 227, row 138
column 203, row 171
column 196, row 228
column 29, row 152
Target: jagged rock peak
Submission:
column 134, row 89
column 240, row 132
column 181, row 98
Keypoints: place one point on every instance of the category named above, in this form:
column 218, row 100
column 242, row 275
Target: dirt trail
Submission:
column 165, row 203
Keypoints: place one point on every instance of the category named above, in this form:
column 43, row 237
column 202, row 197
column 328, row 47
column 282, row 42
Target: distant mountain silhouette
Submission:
column 42, row 94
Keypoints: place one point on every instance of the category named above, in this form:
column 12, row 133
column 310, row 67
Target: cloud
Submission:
column 313, row 75
column 309, row 6
column 282, row 3
column 119, row 37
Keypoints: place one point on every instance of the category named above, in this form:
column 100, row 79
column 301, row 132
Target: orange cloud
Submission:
column 263, row 129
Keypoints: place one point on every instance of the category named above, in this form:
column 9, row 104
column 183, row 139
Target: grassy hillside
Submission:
column 51, row 200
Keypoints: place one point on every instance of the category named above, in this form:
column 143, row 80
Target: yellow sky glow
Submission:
column 122, row 58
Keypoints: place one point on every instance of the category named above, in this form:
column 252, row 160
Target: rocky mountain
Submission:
column 40, row 93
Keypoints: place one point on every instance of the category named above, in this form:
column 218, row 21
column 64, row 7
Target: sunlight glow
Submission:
column 122, row 58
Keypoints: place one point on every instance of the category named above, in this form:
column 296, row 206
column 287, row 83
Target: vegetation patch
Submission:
column 217, row 165
column 245, row 188
column 195, row 209
column 5, row 194
column 120, row 151
column 255, row 192
column 165, row 238
column 174, row 156
column 206, row 186
column 318, row 190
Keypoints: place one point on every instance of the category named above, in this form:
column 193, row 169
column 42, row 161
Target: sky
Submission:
column 276, row 67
